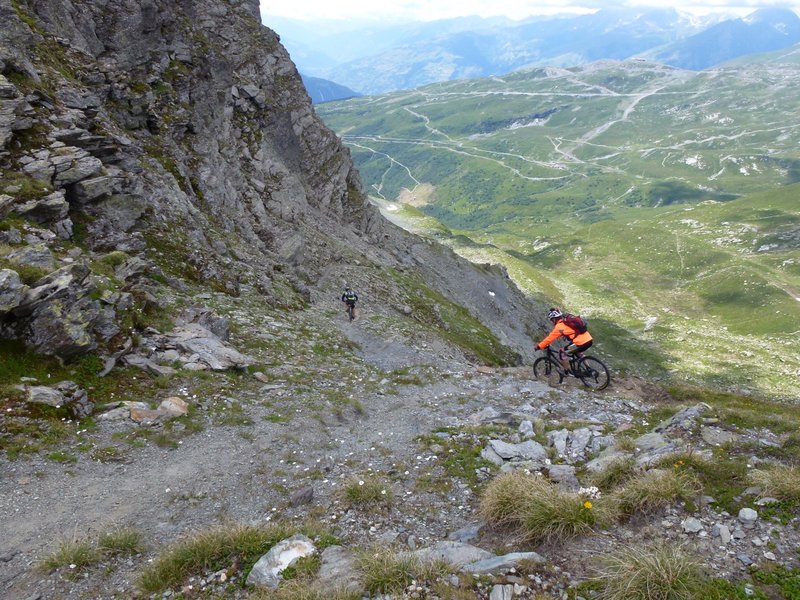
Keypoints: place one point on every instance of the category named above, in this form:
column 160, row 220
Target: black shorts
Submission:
column 573, row 349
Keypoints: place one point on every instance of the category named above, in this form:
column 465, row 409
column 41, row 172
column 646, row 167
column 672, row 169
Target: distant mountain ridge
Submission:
column 322, row 90
column 409, row 55
column 763, row 31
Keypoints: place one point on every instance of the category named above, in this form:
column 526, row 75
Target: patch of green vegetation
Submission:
column 75, row 555
column 460, row 451
column 724, row 477
column 615, row 474
column 25, row 187
column 107, row 454
column 367, row 491
column 106, row 264
column 303, row 567
column 54, row 55
column 122, row 541
column 744, row 412
column 218, row 548
column 787, row 580
column 653, row 490
column 23, row 15
column 536, row 510
column 722, row 589
column 650, row 572
column 28, row 274
column 157, row 152
column 62, row 457
column 788, row 452
column 387, row 572
column 277, row 418
column 454, row 323
column 232, row 414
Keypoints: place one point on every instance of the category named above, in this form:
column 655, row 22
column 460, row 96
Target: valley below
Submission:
column 659, row 203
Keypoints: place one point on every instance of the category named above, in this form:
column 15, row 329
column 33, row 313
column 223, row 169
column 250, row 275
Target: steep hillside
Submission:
column 570, row 177
column 185, row 409
column 145, row 151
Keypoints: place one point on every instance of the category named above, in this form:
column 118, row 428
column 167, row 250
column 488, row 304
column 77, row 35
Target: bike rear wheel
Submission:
column 593, row 373
column 545, row 369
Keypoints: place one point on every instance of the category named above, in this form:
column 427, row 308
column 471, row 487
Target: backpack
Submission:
column 576, row 322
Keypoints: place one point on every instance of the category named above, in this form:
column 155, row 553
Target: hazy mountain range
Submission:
column 374, row 59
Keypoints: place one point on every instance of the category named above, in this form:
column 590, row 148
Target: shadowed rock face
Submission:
column 180, row 134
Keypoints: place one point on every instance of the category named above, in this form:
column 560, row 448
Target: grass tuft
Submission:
column 388, row 572
column 779, row 482
column 210, row 551
column 616, row 473
column 72, row 553
column 302, row 589
column 367, row 491
column 120, row 541
column 649, row 573
column 540, row 510
column 656, row 489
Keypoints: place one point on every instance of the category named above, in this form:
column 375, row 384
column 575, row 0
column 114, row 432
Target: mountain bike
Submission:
column 590, row 370
column 351, row 311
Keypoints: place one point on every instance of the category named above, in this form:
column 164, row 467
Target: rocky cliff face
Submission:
column 151, row 144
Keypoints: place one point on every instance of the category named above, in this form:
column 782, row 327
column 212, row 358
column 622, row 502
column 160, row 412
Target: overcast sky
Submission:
column 428, row 10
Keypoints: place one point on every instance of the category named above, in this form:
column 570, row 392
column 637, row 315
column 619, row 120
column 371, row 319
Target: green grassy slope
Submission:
column 662, row 203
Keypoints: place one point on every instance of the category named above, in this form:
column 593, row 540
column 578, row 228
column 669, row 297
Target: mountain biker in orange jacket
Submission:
column 578, row 341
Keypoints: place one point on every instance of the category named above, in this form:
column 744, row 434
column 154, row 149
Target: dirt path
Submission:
column 247, row 472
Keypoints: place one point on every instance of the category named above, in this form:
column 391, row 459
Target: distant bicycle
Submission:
column 590, row 370
column 351, row 311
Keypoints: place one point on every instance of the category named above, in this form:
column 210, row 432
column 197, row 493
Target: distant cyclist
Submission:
column 578, row 341
column 350, row 298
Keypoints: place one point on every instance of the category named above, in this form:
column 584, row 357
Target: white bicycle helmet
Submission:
column 554, row 314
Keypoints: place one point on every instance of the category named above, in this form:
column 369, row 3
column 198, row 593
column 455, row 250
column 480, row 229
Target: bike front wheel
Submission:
column 593, row 373
column 545, row 369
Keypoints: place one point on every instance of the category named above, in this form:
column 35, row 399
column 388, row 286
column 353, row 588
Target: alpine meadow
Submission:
column 660, row 203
